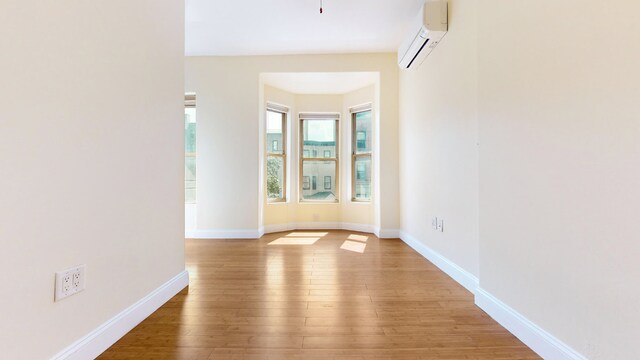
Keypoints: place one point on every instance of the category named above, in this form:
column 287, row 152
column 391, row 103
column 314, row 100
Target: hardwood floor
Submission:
column 317, row 295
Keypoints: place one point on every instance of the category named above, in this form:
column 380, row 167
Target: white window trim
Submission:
column 283, row 110
column 355, row 110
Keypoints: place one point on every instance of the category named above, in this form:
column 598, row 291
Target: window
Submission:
column 361, row 155
column 361, row 140
column 276, row 155
column 361, row 170
column 327, row 182
column 319, row 135
column 190, row 148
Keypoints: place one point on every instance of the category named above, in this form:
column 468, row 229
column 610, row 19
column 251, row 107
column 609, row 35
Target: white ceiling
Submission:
column 320, row 83
column 269, row 27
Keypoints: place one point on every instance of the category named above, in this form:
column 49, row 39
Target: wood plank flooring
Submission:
column 317, row 295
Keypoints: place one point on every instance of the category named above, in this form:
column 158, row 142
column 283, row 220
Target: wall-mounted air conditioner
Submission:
column 426, row 32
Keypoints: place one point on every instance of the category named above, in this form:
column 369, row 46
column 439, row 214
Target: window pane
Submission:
column 190, row 179
column 275, row 177
column 363, row 132
column 319, row 135
column 274, row 132
column 189, row 130
column 190, row 155
column 362, row 178
column 314, row 171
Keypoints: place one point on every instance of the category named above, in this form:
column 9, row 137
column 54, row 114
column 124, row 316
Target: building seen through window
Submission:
column 361, row 156
column 319, row 159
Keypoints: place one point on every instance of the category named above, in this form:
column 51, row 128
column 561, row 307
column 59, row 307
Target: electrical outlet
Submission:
column 76, row 280
column 69, row 282
column 66, row 283
column 440, row 225
column 434, row 223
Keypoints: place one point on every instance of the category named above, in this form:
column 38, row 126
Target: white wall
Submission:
column 91, row 152
column 549, row 89
column 279, row 216
column 438, row 143
column 559, row 85
column 229, row 104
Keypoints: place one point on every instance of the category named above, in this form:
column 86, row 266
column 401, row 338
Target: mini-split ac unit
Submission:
column 426, row 32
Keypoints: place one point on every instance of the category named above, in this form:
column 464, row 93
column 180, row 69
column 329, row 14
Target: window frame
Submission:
column 355, row 154
column 190, row 103
column 336, row 159
column 269, row 153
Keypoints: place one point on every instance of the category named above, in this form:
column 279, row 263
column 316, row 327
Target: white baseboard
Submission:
column 223, row 234
column 539, row 340
column 100, row 339
column 319, row 226
column 463, row 277
column 387, row 233
column 268, row 229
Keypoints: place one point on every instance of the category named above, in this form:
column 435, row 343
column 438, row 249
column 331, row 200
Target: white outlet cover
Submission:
column 441, row 225
column 68, row 282
column 434, row 223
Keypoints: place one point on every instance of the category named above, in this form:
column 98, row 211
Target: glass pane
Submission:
column 189, row 130
column 318, row 180
column 274, row 132
column 363, row 133
column 362, row 175
column 275, row 177
column 190, row 155
column 319, row 138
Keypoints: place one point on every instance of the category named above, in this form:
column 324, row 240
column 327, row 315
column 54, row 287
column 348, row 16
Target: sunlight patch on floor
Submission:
column 308, row 234
column 295, row 241
column 358, row 237
column 354, row 246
